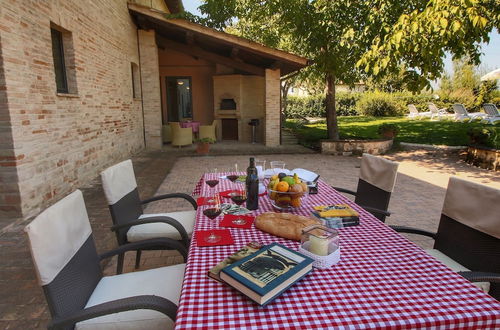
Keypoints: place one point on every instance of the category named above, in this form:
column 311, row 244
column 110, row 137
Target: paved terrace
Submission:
column 416, row 201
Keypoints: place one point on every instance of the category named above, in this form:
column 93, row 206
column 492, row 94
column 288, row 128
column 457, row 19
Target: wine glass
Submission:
column 212, row 213
column 213, row 182
column 239, row 198
column 233, row 177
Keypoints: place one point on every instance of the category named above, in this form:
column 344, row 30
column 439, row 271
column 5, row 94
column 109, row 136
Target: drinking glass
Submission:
column 212, row 213
column 277, row 166
column 260, row 165
column 213, row 182
column 239, row 198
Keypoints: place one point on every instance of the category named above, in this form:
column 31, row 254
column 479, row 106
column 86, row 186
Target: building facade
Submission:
column 83, row 85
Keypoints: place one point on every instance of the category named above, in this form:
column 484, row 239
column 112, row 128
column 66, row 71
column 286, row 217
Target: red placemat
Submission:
column 237, row 221
column 206, row 201
column 223, row 237
column 230, row 193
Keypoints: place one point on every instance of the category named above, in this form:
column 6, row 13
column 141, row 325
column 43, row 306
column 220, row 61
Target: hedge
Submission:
column 369, row 103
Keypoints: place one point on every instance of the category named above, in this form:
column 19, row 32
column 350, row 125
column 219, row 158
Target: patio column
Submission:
column 272, row 118
column 150, row 86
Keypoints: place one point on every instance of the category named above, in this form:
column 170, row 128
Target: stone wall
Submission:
column 52, row 143
column 348, row 147
column 484, row 157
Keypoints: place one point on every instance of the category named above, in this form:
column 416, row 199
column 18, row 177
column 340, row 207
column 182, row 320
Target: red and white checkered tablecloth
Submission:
column 382, row 281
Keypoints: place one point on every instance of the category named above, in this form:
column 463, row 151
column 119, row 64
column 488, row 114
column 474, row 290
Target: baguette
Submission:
column 284, row 225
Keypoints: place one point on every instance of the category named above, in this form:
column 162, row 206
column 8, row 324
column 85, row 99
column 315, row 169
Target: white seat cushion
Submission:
column 165, row 282
column 455, row 266
column 154, row 230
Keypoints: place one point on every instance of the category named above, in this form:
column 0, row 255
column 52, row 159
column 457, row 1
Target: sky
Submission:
column 489, row 61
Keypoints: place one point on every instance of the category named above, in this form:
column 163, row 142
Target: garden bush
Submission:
column 315, row 105
column 379, row 104
column 484, row 136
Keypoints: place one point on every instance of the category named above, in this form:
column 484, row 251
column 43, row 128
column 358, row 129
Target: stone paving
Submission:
column 416, row 201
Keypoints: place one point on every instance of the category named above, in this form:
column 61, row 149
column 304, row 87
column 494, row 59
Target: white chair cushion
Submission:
column 455, row 266
column 154, row 230
column 165, row 282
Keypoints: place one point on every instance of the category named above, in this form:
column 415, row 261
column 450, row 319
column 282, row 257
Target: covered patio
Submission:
column 206, row 76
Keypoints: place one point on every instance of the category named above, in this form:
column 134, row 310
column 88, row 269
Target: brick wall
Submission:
column 150, row 74
column 52, row 143
column 272, row 125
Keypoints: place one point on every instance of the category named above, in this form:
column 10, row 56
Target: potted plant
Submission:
column 388, row 130
column 203, row 145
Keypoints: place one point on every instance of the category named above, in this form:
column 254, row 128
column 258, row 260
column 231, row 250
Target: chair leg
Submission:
column 138, row 259
column 119, row 265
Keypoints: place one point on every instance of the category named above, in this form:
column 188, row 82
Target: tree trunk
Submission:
column 331, row 111
column 284, row 101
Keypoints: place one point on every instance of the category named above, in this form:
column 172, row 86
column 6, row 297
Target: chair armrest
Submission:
column 145, row 244
column 152, row 302
column 409, row 230
column 375, row 210
column 343, row 190
column 167, row 220
column 174, row 195
column 481, row 276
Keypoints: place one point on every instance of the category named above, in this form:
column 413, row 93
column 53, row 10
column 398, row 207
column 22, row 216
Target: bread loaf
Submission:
column 284, row 225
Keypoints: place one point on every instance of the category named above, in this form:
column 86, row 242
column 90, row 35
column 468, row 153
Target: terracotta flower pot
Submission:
column 203, row 148
column 388, row 134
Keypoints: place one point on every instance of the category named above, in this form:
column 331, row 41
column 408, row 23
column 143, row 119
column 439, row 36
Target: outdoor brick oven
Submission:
column 237, row 99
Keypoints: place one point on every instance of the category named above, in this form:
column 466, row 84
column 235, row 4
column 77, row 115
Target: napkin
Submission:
column 206, row 201
column 231, row 220
column 223, row 237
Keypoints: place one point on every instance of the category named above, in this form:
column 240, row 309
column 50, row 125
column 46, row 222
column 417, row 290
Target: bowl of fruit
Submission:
column 286, row 192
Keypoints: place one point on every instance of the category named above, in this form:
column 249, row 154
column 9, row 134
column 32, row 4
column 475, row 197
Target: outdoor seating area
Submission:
column 474, row 256
column 489, row 116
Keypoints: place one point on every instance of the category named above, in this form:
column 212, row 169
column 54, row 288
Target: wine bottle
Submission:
column 252, row 185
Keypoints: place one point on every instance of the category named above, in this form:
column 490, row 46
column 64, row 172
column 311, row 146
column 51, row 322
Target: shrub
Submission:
column 484, row 136
column 388, row 130
column 378, row 104
column 305, row 106
column 315, row 105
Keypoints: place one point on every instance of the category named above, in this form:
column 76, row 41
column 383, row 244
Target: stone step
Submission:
column 288, row 138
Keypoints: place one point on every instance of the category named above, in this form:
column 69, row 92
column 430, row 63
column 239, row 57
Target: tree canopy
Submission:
column 350, row 40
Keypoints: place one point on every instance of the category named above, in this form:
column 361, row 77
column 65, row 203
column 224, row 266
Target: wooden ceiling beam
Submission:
column 210, row 56
column 189, row 37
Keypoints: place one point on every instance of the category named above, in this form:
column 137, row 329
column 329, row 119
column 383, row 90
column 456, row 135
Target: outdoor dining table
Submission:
column 383, row 280
column 195, row 125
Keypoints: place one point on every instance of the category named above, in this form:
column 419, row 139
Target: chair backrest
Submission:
column 175, row 127
column 376, row 182
column 64, row 254
column 432, row 107
column 460, row 109
column 469, row 229
column 412, row 108
column 121, row 192
column 491, row 109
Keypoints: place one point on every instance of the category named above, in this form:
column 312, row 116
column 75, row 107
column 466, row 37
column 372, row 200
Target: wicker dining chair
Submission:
column 468, row 236
column 129, row 221
column 180, row 136
column 208, row 131
column 376, row 182
column 78, row 295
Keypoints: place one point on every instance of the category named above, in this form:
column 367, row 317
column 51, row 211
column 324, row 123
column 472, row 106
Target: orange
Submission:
column 295, row 202
column 282, row 186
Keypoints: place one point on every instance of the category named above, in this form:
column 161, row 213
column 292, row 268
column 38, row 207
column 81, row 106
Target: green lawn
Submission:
column 444, row 132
